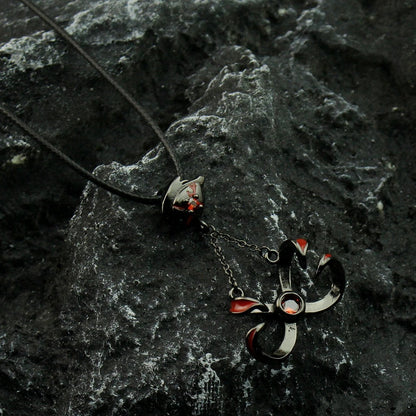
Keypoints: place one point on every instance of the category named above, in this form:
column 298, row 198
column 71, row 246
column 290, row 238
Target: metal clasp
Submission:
column 270, row 254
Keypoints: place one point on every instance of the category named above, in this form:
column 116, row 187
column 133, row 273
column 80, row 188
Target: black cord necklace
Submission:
column 183, row 201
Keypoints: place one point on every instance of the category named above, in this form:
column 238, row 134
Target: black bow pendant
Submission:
column 289, row 306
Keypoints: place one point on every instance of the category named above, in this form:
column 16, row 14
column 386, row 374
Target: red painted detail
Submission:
column 191, row 193
column 302, row 243
column 242, row 305
column 324, row 260
column 194, row 204
column 250, row 341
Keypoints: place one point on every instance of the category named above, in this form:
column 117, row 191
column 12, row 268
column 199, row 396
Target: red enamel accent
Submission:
column 302, row 243
column 191, row 193
column 194, row 204
column 324, row 260
column 242, row 305
column 250, row 341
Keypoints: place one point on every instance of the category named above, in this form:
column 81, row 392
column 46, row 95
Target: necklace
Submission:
column 183, row 202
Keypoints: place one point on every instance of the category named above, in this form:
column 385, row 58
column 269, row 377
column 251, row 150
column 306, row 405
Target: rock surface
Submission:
column 301, row 116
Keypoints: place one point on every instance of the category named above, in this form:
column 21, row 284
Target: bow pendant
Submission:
column 289, row 306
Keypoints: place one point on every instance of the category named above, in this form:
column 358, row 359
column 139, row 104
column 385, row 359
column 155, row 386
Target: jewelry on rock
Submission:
column 184, row 201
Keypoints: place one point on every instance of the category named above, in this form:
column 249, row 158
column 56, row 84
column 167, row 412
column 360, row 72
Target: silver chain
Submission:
column 213, row 240
column 271, row 255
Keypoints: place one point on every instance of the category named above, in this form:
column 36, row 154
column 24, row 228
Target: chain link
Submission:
column 239, row 242
column 271, row 255
column 213, row 240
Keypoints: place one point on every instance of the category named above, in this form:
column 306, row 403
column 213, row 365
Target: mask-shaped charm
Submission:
column 184, row 198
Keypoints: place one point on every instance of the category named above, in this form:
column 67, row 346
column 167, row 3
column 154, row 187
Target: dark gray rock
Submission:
column 301, row 117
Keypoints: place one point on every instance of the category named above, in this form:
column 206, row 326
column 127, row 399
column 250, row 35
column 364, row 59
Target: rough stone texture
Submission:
column 300, row 115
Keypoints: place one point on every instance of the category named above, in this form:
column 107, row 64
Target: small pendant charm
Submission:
column 289, row 305
column 184, row 199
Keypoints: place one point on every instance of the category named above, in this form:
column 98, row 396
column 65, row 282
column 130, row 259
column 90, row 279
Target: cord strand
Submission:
column 138, row 108
column 77, row 168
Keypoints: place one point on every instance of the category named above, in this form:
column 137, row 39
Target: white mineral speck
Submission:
column 18, row 159
column 380, row 206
